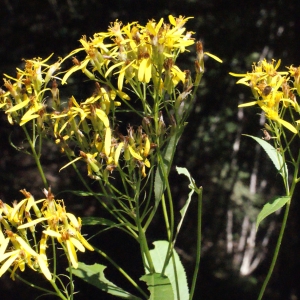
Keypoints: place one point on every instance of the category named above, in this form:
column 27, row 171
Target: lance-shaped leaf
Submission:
column 271, row 207
column 275, row 156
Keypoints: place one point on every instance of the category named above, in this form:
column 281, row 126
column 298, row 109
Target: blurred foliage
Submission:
column 220, row 160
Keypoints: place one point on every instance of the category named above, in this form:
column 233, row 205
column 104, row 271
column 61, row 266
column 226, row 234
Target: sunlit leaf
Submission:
column 159, row 286
column 274, row 155
column 158, row 255
column 270, row 208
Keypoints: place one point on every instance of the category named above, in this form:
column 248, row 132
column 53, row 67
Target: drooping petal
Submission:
column 13, row 256
column 3, row 247
column 72, row 254
column 44, row 268
column 77, row 244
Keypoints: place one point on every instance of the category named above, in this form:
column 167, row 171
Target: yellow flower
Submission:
column 21, row 255
column 273, row 115
column 270, row 88
column 25, row 98
column 135, row 53
column 295, row 72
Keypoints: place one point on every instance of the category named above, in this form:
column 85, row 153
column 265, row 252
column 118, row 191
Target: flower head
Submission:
column 271, row 91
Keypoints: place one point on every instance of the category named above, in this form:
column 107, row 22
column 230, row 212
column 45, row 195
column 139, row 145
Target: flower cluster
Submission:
column 132, row 54
column 136, row 53
column 272, row 91
column 24, row 99
column 17, row 250
column 88, row 126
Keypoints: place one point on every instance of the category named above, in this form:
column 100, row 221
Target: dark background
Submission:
column 236, row 175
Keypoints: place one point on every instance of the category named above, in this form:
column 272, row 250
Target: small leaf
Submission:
column 274, row 155
column 94, row 275
column 193, row 188
column 159, row 286
column 271, row 207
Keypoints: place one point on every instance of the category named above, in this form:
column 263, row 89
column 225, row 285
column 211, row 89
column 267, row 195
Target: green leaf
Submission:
column 274, row 155
column 164, row 166
column 193, row 188
column 271, row 207
column 158, row 255
column 160, row 287
column 94, row 275
column 97, row 221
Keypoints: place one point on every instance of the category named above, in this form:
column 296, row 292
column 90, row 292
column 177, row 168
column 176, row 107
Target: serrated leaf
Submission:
column 271, row 207
column 158, row 255
column 159, row 286
column 94, row 275
column 274, row 155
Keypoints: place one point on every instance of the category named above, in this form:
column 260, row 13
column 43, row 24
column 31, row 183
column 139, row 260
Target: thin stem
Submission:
column 199, row 238
column 278, row 244
column 142, row 235
column 118, row 217
column 36, row 157
column 37, row 287
column 279, row 240
column 54, row 255
column 58, row 292
column 121, row 271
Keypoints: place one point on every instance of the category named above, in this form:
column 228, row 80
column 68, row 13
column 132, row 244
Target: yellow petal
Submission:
column 237, row 75
column 118, row 152
column 52, row 233
column 107, row 143
column 134, row 154
column 72, row 254
column 77, row 244
column 73, row 219
column 13, row 256
column 248, row 104
column 18, row 106
column 71, row 162
column 84, row 242
column 147, row 163
column 123, row 95
column 34, row 222
column 287, row 125
column 102, row 116
column 214, row 57
column 26, row 247
column 44, row 267
column 74, row 69
column 17, row 208
column 3, row 247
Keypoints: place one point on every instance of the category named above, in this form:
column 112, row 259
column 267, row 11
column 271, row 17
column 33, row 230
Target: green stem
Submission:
column 199, row 238
column 278, row 244
column 59, row 294
column 118, row 217
column 285, row 217
column 54, row 256
column 121, row 271
column 36, row 157
column 142, row 235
